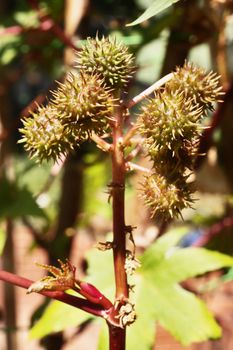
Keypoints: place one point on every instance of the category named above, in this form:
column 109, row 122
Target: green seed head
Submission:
column 109, row 59
column 84, row 104
column 203, row 88
column 167, row 120
column 164, row 198
column 44, row 135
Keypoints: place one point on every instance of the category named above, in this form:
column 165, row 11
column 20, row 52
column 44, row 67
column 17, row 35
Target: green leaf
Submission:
column 157, row 294
column 2, row 239
column 164, row 265
column 156, row 7
column 17, row 201
column 100, row 271
column 229, row 275
column 27, row 19
column 185, row 263
column 57, row 317
column 103, row 337
column 184, row 315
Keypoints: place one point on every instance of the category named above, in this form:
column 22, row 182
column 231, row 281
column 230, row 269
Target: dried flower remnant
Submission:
column 131, row 263
column 63, row 278
column 126, row 314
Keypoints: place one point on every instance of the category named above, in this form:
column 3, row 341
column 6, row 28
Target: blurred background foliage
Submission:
column 57, row 202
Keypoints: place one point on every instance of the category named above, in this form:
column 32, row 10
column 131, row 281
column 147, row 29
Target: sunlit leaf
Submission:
column 2, row 239
column 229, row 275
column 57, row 317
column 157, row 294
column 17, row 201
column 156, row 7
column 103, row 337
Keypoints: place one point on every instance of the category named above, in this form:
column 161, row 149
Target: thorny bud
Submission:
column 164, row 198
column 204, row 88
column 45, row 136
column 109, row 59
column 167, row 120
column 85, row 104
column 62, row 278
column 82, row 105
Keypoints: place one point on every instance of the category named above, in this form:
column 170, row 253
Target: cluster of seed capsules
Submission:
column 83, row 104
column 171, row 124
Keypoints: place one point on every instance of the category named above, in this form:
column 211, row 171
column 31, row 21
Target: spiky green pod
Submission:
column 84, row 103
column 164, row 198
column 109, row 59
column 167, row 120
column 44, row 135
column 203, row 88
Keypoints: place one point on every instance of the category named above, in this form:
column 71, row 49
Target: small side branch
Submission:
column 149, row 90
column 72, row 300
column 103, row 145
column 214, row 231
column 132, row 166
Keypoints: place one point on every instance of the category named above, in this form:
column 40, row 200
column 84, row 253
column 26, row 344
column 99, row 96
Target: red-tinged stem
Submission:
column 13, row 30
column 218, row 115
column 72, row 300
column 116, row 338
column 214, row 231
column 118, row 203
column 93, row 294
column 116, row 334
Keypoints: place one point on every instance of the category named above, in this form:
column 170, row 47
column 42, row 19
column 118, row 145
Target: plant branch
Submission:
column 116, row 338
column 103, row 145
column 128, row 136
column 218, row 115
column 149, row 90
column 132, row 166
column 72, row 300
column 118, row 203
column 214, row 231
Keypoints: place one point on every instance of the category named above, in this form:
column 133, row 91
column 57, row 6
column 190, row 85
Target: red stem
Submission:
column 116, row 338
column 72, row 300
column 214, row 231
column 218, row 115
column 117, row 335
column 118, row 204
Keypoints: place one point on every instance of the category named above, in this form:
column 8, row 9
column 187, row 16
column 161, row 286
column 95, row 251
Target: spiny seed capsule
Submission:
column 109, row 59
column 203, row 88
column 44, row 135
column 168, row 119
column 85, row 104
column 164, row 198
column 168, row 162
